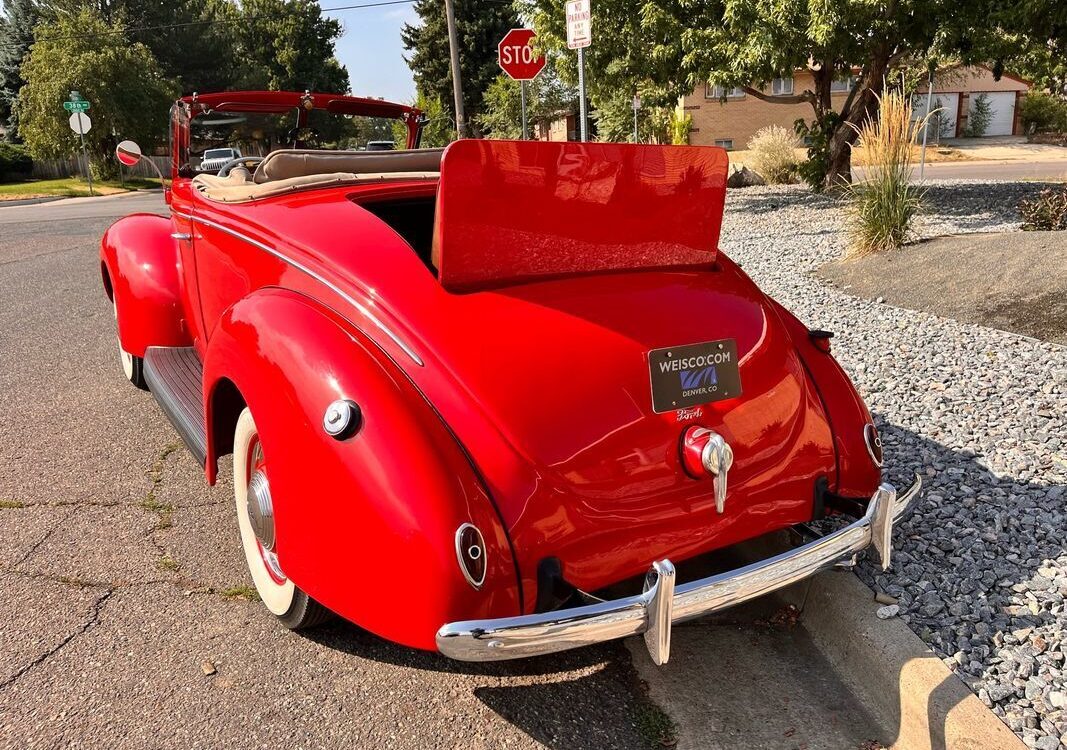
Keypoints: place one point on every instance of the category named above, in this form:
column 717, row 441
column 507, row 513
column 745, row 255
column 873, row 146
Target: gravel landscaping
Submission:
column 981, row 568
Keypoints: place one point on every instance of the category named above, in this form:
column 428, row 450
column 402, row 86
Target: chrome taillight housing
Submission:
column 874, row 443
column 470, row 550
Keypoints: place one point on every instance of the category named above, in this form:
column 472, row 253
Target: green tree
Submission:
column 547, row 96
column 480, row 25
column 980, row 116
column 673, row 46
column 193, row 40
column 130, row 96
column 440, row 128
column 16, row 36
column 289, row 45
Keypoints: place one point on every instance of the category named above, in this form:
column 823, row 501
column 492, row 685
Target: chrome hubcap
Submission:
column 261, row 510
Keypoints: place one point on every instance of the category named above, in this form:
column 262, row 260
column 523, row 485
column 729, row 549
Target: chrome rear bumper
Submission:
column 662, row 604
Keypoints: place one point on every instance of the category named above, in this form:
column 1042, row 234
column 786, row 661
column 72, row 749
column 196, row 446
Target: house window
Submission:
column 841, row 85
column 782, row 86
column 718, row 92
column 726, row 143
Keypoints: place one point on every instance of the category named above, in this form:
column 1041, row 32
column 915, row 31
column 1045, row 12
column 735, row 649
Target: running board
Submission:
column 175, row 376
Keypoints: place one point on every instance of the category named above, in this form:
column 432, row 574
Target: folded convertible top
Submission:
column 517, row 211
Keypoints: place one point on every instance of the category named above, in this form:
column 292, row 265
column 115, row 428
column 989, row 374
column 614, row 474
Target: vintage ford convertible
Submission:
column 468, row 389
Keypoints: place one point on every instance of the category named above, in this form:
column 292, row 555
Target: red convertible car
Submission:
column 466, row 390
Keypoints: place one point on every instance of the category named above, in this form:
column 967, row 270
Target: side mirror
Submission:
column 128, row 153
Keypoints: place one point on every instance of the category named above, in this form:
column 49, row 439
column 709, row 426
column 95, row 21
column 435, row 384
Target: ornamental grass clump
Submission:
column 773, row 154
column 882, row 207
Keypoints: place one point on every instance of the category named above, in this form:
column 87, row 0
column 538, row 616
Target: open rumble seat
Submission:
column 289, row 170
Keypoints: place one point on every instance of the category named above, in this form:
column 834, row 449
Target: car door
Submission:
column 184, row 233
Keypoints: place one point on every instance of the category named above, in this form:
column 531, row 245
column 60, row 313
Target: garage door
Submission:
column 1002, row 111
column 944, row 106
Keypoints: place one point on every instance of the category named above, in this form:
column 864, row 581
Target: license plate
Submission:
column 694, row 374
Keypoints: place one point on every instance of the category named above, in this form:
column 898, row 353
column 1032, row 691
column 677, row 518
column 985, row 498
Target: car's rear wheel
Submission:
column 255, row 518
column 132, row 367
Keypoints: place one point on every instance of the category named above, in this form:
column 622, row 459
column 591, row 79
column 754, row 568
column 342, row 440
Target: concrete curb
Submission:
column 902, row 682
column 30, row 201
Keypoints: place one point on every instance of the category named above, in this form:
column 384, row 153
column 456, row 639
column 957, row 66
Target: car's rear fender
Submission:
column 382, row 504
column 857, row 474
column 141, row 272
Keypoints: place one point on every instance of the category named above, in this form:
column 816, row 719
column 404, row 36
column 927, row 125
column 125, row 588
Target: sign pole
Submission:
column 581, row 94
column 637, row 106
column 522, row 100
column 85, row 157
column 580, row 36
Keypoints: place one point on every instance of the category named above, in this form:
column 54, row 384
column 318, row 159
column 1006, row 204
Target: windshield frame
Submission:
column 186, row 109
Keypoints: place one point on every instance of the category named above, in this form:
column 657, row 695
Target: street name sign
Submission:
column 76, row 106
column 579, row 28
column 516, row 56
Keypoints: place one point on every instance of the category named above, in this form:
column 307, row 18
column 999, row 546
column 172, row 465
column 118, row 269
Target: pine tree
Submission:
column 980, row 116
column 480, row 25
column 16, row 36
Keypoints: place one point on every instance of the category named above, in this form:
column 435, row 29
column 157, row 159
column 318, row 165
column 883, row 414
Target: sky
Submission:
column 372, row 51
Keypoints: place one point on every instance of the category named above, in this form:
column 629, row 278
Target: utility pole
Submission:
column 457, row 82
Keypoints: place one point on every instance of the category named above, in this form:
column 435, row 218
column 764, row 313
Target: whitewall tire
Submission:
column 132, row 367
column 278, row 594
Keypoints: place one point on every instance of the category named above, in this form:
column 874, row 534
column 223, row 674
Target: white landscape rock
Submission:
column 980, row 568
column 888, row 611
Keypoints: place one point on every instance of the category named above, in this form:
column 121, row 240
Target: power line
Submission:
column 207, row 22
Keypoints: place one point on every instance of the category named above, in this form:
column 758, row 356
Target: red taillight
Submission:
column 821, row 340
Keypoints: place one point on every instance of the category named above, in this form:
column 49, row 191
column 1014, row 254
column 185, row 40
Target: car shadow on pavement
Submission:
column 344, row 636
column 585, row 699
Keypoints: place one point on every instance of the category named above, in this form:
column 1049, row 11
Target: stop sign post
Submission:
column 516, row 56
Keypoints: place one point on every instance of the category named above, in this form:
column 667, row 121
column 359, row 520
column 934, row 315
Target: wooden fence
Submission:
column 51, row 169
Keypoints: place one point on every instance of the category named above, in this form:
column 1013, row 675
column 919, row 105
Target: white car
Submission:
column 214, row 158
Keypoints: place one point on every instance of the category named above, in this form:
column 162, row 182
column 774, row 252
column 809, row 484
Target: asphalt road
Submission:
column 124, row 620
column 1050, row 169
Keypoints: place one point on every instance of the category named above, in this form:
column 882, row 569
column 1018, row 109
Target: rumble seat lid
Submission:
column 515, row 211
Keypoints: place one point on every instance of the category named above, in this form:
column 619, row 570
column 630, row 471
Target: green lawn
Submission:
column 70, row 187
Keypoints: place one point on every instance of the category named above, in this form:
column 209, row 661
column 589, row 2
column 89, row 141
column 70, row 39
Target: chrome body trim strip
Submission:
column 649, row 613
column 366, row 313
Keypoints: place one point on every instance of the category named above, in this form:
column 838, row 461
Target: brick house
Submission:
column 731, row 118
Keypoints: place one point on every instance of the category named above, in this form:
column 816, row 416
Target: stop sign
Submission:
column 516, row 56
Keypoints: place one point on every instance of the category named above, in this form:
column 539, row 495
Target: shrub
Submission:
column 774, row 154
column 1047, row 211
column 980, row 116
column 15, row 162
column 1043, row 113
column 817, row 137
column 881, row 208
